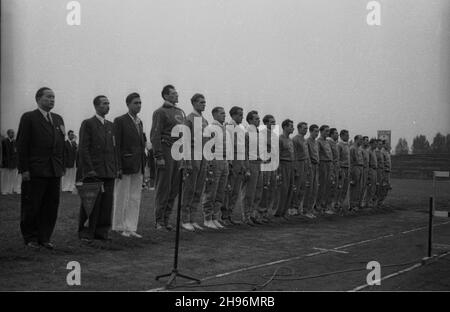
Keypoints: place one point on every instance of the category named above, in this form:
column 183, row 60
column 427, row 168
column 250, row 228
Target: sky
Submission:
column 308, row 60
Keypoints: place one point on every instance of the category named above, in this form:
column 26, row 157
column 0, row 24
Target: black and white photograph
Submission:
column 224, row 153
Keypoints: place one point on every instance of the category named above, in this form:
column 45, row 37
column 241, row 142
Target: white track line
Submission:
column 331, row 250
column 301, row 256
column 415, row 266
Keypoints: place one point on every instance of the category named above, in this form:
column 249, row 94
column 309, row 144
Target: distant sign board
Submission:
column 385, row 135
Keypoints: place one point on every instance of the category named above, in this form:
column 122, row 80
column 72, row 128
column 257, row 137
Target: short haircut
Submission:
column 131, row 97
column 365, row 137
column 234, row 110
column 216, row 109
column 267, row 118
column 40, row 93
column 97, row 99
column 373, row 140
column 166, row 90
column 9, row 131
column 196, row 97
column 343, row 132
column 286, row 123
column 313, row 127
column 357, row 136
column 250, row 115
column 333, row 130
column 301, row 124
column 70, row 131
column 323, row 127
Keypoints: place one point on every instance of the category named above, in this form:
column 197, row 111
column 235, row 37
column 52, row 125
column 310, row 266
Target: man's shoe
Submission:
column 125, row 234
column 159, row 226
column 134, row 234
column 168, row 227
column 48, row 245
column 210, row 225
column 225, row 222
column 218, row 224
column 33, row 245
column 249, row 222
column 234, row 222
column 188, row 227
column 329, row 212
column 255, row 221
column 197, row 227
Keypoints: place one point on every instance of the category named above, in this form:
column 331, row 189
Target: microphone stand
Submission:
column 175, row 273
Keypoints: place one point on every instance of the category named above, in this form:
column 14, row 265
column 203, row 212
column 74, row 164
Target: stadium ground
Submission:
column 242, row 258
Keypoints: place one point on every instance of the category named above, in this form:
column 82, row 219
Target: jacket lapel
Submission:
column 49, row 128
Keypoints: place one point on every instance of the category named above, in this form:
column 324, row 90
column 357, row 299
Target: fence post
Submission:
column 430, row 227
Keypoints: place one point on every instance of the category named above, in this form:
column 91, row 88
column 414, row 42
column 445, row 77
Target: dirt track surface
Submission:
column 301, row 250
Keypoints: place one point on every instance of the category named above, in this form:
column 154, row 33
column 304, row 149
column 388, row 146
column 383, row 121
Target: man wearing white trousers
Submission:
column 10, row 178
column 70, row 156
column 130, row 142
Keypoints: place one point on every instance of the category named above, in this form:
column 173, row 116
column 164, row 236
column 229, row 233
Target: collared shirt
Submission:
column 313, row 150
column 386, row 160
column 102, row 119
column 300, row 148
column 224, row 138
column 45, row 114
column 344, row 154
column 334, row 151
column 164, row 119
column 365, row 154
column 136, row 121
column 372, row 159
column 325, row 153
column 190, row 123
column 238, row 138
column 252, row 150
column 380, row 159
column 356, row 157
column 286, row 148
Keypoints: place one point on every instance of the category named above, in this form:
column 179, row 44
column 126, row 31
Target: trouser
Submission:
column 193, row 189
column 151, row 164
column 355, row 185
column 10, row 181
column 380, row 182
column 98, row 223
column 68, row 180
column 385, row 186
column 127, row 202
column 39, row 208
column 167, row 186
column 253, row 191
column 325, row 168
column 311, row 191
column 215, row 189
column 364, row 181
column 270, row 193
column 237, row 187
column 287, row 181
column 371, row 198
column 299, row 184
column 343, row 183
column 334, row 187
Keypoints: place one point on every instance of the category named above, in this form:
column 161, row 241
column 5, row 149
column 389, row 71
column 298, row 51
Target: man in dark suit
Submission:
column 70, row 155
column 130, row 140
column 9, row 175
column 97, row 161
column 40, row 144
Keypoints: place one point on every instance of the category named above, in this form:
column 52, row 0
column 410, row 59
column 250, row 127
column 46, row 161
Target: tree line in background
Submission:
column 421, row 145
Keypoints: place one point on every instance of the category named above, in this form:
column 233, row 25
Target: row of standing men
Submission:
column 114, row 153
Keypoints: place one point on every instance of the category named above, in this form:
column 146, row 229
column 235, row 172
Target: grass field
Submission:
column 241, row 257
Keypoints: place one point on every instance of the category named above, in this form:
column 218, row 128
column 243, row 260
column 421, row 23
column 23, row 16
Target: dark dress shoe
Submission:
column 169, row 227
column 48, row 246
column 33, row 245
column 255, row 221
column 234, row 222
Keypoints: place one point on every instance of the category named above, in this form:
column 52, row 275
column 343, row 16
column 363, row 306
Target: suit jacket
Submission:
column 97, row 149
column 10, row 159
column 40, row 145
column 70, row 150
column 130, row 141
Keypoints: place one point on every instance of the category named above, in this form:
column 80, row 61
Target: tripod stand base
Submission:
column 173, row 276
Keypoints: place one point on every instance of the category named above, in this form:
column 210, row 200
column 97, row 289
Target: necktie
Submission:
column 49, row 119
